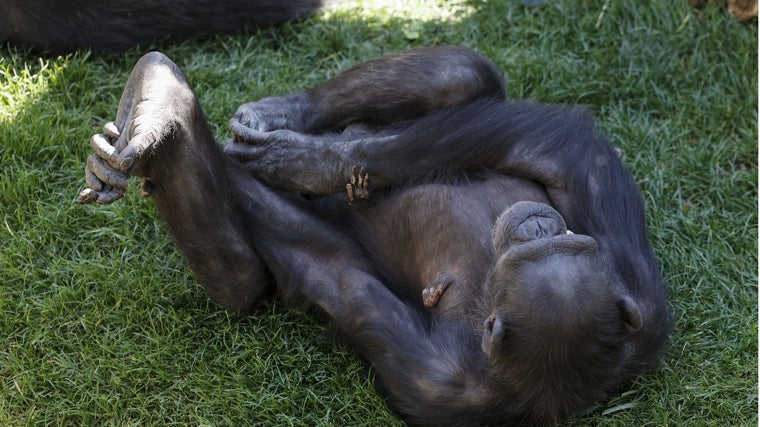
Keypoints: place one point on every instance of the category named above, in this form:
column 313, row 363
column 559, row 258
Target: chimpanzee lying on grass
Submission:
column 451, row 268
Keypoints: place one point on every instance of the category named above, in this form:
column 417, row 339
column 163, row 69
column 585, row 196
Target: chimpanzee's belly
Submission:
column 439, row 232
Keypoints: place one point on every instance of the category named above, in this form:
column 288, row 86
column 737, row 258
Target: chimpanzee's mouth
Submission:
column 566, row 244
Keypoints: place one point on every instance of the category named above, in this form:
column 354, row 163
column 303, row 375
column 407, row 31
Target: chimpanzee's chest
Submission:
column 438, row 234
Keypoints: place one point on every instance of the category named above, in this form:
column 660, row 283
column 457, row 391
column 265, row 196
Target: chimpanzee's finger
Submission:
column 249, row 116
column 110, row 195
column 110, row 130
column 92, row 180
column 134, row 151
column 244, row 134
column 102, row 147
column 244, row 152
column 88, row 195
column 106, row 173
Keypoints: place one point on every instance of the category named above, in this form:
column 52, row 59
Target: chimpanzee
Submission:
column 490, row 262
column 61, row 26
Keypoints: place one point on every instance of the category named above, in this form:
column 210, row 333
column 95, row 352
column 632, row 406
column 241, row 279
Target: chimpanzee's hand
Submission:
column 155, row 99
column 291, row 161
column 254, row 119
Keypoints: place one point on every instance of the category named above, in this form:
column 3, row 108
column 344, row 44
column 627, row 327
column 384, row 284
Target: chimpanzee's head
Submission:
column 557, row 324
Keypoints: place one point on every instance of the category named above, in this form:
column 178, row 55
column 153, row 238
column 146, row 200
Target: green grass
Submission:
column 101, row 323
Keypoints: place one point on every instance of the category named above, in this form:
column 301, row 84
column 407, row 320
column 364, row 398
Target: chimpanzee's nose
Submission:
column 526, row 221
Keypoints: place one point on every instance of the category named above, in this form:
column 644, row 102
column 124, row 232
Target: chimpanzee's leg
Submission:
column 222, row 218
column 161, row 135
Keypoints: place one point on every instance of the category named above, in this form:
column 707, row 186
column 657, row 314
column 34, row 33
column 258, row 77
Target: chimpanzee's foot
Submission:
column 358, row 187
column 154, row 105
column 103, row 144
column 106, row 184
column 432, row 294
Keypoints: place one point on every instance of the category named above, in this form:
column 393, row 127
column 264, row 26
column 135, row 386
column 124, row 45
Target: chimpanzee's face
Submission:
column 545, row 280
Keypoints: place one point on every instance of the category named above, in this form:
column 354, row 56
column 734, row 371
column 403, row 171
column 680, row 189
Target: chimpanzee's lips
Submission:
column 566, row 244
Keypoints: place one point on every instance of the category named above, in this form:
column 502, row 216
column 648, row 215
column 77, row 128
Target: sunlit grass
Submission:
column 101, row 323
column 22, row 86
column 417, row 10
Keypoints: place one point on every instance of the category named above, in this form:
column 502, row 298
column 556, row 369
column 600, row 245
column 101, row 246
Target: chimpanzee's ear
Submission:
column 494, row 330
column 630, row 313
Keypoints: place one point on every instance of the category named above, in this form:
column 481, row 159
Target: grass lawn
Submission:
column 102, row 324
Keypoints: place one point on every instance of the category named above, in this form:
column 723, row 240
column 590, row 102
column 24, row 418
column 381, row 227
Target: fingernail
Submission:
column 86, row 196
column 126, row 163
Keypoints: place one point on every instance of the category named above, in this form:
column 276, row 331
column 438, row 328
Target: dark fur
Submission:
column 117, row 25
column 447, row 155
